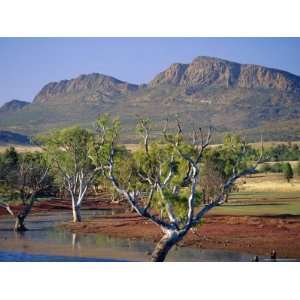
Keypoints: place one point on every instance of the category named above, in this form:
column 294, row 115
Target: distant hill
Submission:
column 13, row 105
column 7, row 137
column 248, row 99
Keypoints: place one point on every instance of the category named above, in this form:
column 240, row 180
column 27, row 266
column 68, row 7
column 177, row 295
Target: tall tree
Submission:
column 167, row 177
column 68, row 152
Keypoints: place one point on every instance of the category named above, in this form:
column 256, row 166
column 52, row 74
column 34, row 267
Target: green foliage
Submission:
column 219, row 163
column 9, row 165
column 106, row 131
column 21, row 175
column 283, row 152
column 67, row 151
column 8, row 161
column 233, row 153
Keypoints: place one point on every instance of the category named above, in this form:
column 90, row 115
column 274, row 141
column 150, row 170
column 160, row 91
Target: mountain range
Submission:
column 244, row 98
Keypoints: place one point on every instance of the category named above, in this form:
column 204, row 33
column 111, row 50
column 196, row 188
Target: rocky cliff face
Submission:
column 202, row 72
column 91, row 82
column 205, row 71
column 13, row 105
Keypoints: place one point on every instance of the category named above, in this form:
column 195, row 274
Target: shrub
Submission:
column 265, row 168
column 288, row 172
column 277, row 167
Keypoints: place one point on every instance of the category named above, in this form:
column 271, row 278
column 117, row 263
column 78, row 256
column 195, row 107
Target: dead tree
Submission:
column 160, row 183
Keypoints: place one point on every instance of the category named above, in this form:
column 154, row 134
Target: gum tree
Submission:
column 26, row 176
column 163, row 184
column 68, row 153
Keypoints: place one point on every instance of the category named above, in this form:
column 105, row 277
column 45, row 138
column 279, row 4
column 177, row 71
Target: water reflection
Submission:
column 44, row 237
column 75, row 241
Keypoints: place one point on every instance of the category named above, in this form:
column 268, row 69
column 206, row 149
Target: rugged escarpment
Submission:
column 205, row 71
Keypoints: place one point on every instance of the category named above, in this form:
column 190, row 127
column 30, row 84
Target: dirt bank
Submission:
column 254, row 235
column 65, row 204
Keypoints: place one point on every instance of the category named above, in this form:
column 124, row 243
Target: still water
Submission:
column 45, row 241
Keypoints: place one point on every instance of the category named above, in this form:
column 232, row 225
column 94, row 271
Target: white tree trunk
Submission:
column 166, row 243
column 76, row 213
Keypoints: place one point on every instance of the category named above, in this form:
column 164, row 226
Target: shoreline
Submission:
column 246, row 234
column 255, row 235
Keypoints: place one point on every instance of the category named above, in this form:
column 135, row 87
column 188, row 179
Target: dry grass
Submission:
column 273, row 144
column 263, row 194
column 21, row 149
column 133, row 147
column 293, row 163
column 269, row 182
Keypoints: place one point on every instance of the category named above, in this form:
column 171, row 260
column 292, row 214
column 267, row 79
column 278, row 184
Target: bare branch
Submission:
column 7, row 207
column 132, row 197
column 219, row 199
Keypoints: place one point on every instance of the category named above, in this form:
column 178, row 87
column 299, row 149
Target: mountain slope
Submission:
column 93, row 87
column 13, row 106
column 210, row 91
column 7, row 137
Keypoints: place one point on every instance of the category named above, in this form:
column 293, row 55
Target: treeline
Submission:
column 281, row 155
column 283, row 152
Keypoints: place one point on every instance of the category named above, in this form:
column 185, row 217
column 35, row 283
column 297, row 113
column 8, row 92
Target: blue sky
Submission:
column 27, row 64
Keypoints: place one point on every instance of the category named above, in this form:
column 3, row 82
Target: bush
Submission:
column 275, row 168
column 265, row 168
column 283, row 152
column 288, row 172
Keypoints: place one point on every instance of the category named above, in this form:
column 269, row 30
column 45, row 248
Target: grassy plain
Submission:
column 20, row 148
column 264, row 195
